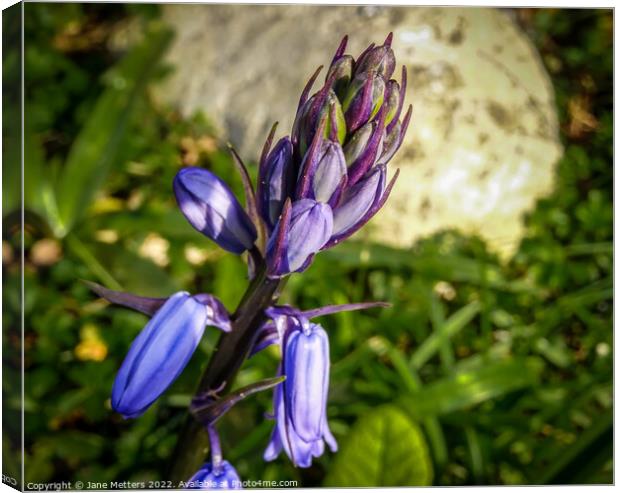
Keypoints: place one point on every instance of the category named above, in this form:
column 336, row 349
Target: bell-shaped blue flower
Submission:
column 300, row 401
column 211, row 208
column 303, row 228
column 162, row 350
column 221, row 477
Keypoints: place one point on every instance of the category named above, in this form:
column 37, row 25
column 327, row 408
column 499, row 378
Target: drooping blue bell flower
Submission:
column 211, row 208
column 300, row 401
column 272, row 330
column 221, row 477
column 303, row 228
column 162, row 350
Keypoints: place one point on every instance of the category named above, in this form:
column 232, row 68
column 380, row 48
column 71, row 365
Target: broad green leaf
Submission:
column 97, row 146
column 468, row 388
column 452, row 326
column 384, row 448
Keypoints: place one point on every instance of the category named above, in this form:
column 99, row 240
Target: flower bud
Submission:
column 363, row 99
column 320, row 107
column 301, row 231
column 357, row 201
column 341, row 72
column 392, row 100
column 390, row 143
column 330, row 172
column 162, row 350
column 357, row 143
column 379, row 59
column 278, row 182
column 211, row 208
column 323, row 172
column 223, row 477
column 395, row 134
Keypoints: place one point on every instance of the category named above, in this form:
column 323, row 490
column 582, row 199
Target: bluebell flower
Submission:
column 303, row 228
column 162, row 350
column 211, row 208
column 300, row 402
column 327, row 173
column 276, row 181
column 221, row 477
column 342, row 139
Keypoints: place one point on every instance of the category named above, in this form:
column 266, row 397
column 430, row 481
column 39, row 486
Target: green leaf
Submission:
column 97, row 146
column 453, row 325
column 473, row 386
column 384, row 448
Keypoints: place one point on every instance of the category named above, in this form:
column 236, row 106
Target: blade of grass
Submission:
column 475, row 454
column 452, row 326
column 81, row 251
column 438, row 319
column 412, row 383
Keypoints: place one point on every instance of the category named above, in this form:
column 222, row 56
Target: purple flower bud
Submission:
column 350, row 212
column 358, row 142
column 278, row 181
column 162, row 350
column 324, row 105
column 330, row 172
column 394, row 137
column 326, row 172
column 392, row 100
column 223, row 477
column 363, row 99
column 402, row 89
column 378, row 59
column 301, row 231
column 300, row 401
column 341, row 72
column 368, row 157
column 390, row 144
column 211, row 208
column 358, row 200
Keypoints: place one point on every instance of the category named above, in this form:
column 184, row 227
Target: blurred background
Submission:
column 494, row 365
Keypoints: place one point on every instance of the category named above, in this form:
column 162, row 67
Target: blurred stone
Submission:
column 484, row 136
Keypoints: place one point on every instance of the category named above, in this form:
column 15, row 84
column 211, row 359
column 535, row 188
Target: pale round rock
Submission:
column 484, row 136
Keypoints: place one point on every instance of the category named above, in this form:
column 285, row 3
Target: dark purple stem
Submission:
column 232, row 350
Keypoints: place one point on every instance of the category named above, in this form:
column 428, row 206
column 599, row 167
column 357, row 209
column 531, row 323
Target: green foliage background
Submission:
column 483, row 372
